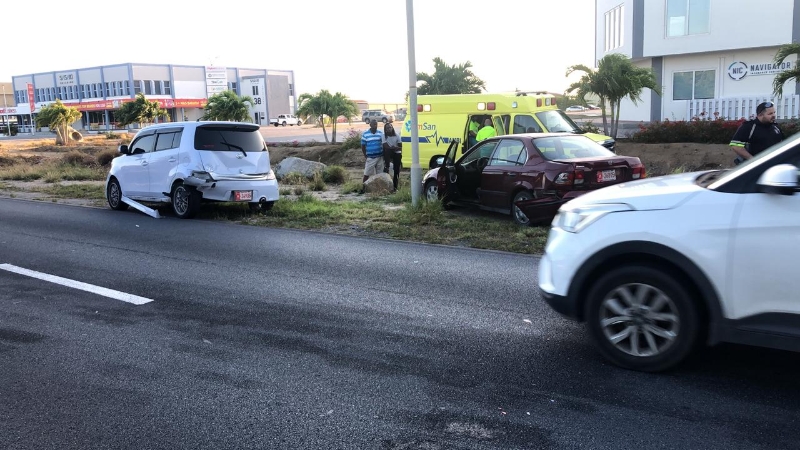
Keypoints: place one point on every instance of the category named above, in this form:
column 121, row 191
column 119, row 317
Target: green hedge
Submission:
column 701, row 130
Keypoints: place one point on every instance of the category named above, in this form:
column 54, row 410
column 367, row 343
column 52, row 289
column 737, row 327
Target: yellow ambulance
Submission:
column 444, row 118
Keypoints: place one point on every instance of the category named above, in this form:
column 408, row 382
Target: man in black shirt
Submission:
column 755, row 135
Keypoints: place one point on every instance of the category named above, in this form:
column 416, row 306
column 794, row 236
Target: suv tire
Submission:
column 114, row 196
column 642, row 318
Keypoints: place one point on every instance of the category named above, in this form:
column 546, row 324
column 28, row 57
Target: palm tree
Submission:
column 456, row 79
column 141, row 111
column 783, row 77
column 227, row 106
column 326, row 104
column 615, row 79
column 59, row 117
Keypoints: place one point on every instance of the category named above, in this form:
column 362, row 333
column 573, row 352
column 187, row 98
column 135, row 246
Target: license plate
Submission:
column 606, row 175
column 242, row 196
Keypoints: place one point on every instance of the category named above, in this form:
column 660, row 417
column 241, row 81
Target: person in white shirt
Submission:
column 392, row 152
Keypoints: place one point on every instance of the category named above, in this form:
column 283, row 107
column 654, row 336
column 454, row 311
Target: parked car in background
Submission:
column 575, row 108
column 285, row 119
column 528, row 175
column 187, row 163
column 381, row 116
column 657, row 267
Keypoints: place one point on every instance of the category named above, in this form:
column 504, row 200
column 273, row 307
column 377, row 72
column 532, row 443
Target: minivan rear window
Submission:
column 221, row 139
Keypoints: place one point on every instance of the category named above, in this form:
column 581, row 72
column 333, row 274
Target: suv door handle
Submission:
column 172, row 159
column 144, row 162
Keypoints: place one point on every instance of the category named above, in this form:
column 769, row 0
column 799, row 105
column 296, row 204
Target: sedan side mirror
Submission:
column 780, row 179
column 123, row 149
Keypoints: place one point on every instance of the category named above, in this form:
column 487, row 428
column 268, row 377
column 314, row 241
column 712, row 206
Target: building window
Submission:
column 137, row 87
column 148, row 87
column 167, row 87
column 232, row 86
column 693, row 85
column 291, row 89
column 614, row 28
column 255, row 90
column 126, row 87
column 157, row 87
column 685, row 17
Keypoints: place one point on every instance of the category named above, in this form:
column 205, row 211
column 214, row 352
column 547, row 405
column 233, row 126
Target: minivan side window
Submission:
column 524, row 123
column 166, row 141
column 144, row 144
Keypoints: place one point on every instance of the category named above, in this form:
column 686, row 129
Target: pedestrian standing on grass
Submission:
column 372, row 147
column 392, row 152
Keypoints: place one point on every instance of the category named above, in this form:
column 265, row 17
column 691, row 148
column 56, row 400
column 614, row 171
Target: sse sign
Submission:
column 738, row 69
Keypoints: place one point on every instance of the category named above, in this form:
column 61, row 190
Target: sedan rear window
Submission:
column 570, row 147
column 221, row 139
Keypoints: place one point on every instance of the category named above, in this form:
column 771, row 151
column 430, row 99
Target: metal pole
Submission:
column 416, row 170
column 6, row 128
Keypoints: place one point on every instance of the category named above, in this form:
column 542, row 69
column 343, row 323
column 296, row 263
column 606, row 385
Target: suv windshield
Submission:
column 233, row 139
column 557, row 122
column 570, row 147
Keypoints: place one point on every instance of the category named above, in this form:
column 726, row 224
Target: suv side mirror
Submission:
column 123, row 149
column 781, row 179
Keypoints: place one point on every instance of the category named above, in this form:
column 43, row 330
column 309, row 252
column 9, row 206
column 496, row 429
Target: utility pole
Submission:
column 416, row 169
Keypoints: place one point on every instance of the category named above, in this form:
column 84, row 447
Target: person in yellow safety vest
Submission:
column 474, row 126
column 487, row 131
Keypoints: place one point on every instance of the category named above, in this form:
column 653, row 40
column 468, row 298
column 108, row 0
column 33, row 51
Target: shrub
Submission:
column 317, row 183
column 105, row 157
column 110, row 135
column 352, row 139
column 293, row 178
column 589, row 127
column 78, row 158
column 702, row 130
column 335, row 174
column 299, row 190
column 285, row 191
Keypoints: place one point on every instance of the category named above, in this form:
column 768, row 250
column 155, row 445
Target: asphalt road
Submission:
column 282, row 339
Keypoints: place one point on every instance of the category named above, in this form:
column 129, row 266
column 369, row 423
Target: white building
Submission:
column 708, row 55
column 182, row 90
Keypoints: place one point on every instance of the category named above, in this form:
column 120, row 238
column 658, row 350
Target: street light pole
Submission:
column 416, row 169
column 5, row 113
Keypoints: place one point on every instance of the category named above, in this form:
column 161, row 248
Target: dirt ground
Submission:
column 659, row 159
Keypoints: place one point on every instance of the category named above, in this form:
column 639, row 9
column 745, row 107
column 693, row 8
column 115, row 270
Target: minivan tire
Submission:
column 663, row 321
column 185, row 201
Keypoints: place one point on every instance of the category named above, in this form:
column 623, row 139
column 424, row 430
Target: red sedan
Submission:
column 528, row 175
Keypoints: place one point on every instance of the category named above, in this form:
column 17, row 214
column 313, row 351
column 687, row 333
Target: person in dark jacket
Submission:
column 756, row 135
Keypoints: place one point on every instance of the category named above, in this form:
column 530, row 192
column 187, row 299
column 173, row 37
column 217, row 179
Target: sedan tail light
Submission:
column 638, row 172
column 565, row 178
column 578, row 177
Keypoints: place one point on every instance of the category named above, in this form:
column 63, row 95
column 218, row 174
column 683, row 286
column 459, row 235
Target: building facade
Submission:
column 182, row 90
column 708, row 56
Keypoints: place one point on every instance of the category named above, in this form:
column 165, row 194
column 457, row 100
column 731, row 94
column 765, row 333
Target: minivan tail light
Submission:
column 639, row 172
column 564, row 178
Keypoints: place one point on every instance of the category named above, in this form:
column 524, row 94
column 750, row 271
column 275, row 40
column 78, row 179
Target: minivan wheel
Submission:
column 642, row 318
column 185, row 201
column 114, row 196
column 519, row 217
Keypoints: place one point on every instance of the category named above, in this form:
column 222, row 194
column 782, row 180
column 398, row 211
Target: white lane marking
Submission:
column 117, row 295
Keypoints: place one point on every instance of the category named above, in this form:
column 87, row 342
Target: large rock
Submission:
column 379, row 184
column 299, row 165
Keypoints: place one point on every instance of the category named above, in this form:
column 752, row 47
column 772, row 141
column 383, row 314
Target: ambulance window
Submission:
column 506, row 123
column 524, row 123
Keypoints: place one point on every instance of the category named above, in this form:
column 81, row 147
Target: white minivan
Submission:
column 186, row 163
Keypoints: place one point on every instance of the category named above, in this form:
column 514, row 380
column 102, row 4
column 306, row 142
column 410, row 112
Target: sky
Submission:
column 351, row 46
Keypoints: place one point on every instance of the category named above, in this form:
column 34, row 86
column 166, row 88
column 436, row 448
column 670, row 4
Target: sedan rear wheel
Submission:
column 642, row 318
column 516, row 213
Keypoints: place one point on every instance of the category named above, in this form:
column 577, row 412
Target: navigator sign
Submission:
column 739, row 69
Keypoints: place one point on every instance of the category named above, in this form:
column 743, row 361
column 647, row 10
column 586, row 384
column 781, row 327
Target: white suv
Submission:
column 659, row 265
column 185, row 163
